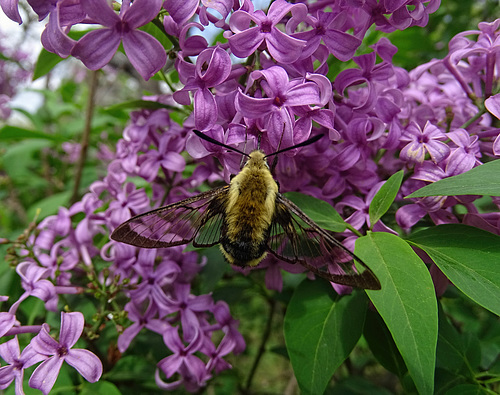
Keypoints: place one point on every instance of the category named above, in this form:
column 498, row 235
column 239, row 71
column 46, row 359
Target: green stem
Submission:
column 172, row 39
column 86, row 136
column 262, row 347
column 354, row 230
column 473, row 119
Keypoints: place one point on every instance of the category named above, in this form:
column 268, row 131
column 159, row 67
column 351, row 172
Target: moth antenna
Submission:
column 303, row 144
column 244, row 148
column 275, row 160
column 213, row 141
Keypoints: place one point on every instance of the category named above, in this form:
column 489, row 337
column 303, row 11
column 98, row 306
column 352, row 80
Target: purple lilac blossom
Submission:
column 97, row 48
column 57, row 352
column 212, row 68
column 379, row 118
column 17, row 362
column 282, row 47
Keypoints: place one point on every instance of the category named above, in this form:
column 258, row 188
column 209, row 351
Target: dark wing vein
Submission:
column 198, row 219
column 295, row 238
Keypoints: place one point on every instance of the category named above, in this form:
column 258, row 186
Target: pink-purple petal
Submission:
column 219, row 66
column 96, row 48
column 205, row 109
column 10, row 8
column 71, row 328
column 409, row 215
column 145, row 53
column 492, row 104
column 282, row 47
column 100, row 12
column 341, row 45
column 45, row 375
column 181, row 10
column 54, row 39
column 128, row 335
column 437, row 150
column 142, row 12
column 303, row 94
column 42, row 7
column 245, row 43
column 86, row 363
column 9, row 351
column 170, row 364
column 43, row 343
column 280, row 8
column 7, row 374
column 413, row 152
column 253, row 107
column 173, row 161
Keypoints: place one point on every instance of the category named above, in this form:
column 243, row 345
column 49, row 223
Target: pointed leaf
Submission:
column 47, row 60
column 8, row 132
column 319, row 211
column 406, row 302
column 469, row 257
column 45, row 63
column 99, row 388
column 134, row 104
column 481, row 180
column 468, row 389
column 385, row 197
column 382, row 344
column 452, row 354
column 321, row 329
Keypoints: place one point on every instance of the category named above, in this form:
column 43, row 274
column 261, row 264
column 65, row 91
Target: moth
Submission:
column 249, row 218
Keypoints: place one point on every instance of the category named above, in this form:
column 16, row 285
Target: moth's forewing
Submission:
column 295, row 238
column 196, row 219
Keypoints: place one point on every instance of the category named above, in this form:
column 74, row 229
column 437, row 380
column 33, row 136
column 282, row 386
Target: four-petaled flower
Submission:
column 96, row 48
column 85, row 362
column 282, row 47
column 424, row 141
column 17, row 362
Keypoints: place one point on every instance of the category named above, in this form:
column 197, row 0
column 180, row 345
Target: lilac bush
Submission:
column 268, row 81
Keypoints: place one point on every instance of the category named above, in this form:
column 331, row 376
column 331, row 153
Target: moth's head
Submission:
column 257, row 160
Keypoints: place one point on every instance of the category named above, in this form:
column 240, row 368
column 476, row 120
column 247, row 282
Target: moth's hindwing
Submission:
column 197, row 219
column 295, row 238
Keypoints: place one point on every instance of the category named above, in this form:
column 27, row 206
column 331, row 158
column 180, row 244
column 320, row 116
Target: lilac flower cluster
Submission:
column 43, row 348
column 13, row 73
column 379, row 119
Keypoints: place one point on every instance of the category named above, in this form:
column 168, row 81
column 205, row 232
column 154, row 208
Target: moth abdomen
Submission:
column 244, row 251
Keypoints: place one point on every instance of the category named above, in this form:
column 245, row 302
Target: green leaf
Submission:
column 406, row 302
column 134, row 104
column 452, row 354
column 8, row 132
column 45, row 63
column 214, row 270
column 319, row 211
column 481, row 180
column 49, row 205
column 382, row 344
column 384, row 197
column 468, row 389
column 469, row 257
column 357, row 385
column 47, row 60
column 321, row 328
column 100, row 388
column 19, row 159
column 157, row 33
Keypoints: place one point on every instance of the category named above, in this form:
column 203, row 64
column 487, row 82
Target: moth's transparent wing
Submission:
column 295, row 238
column 198, row 219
